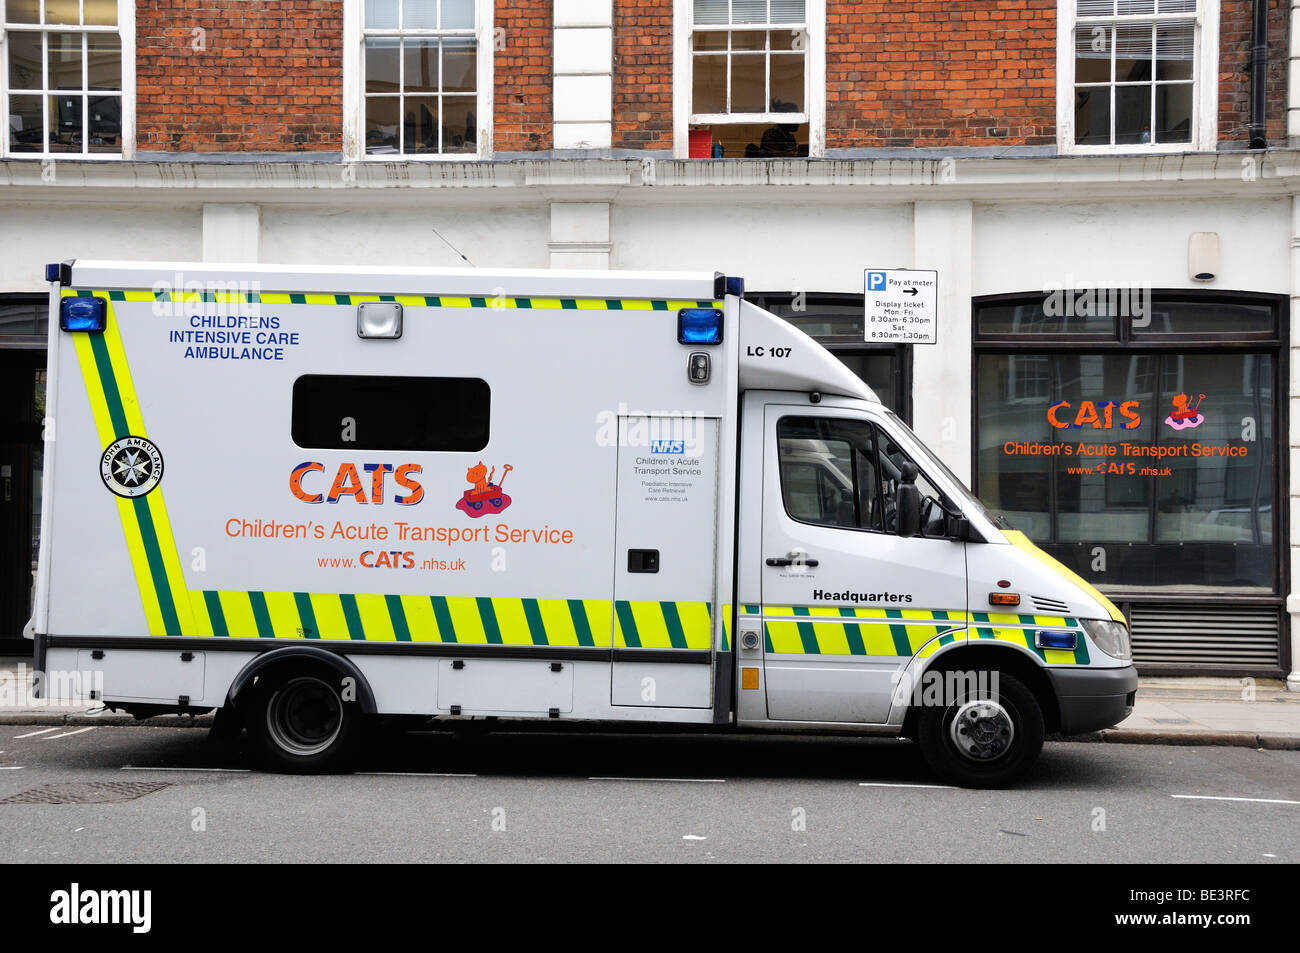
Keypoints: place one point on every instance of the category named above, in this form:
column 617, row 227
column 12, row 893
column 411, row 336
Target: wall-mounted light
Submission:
column 1203, row 256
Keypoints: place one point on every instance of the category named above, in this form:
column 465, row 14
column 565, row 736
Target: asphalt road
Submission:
column 515, row 797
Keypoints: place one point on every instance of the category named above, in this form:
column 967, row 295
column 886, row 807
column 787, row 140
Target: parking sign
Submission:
column 901, row 306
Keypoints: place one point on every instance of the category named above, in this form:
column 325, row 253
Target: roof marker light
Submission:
column 699, row 326
column 83, row 314
column 728, row 285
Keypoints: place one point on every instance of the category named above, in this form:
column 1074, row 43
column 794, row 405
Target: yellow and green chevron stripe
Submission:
column 407, row 301
column 463, row 620
column 116, row 412
column 854, row 630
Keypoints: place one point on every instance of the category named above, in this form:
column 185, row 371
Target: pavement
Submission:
column 1225, row 712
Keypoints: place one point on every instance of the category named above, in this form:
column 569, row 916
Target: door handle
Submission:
column 787, row 561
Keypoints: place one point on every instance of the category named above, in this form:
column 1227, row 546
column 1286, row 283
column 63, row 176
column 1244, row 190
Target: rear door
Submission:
column 664, row 572
column 846, row 601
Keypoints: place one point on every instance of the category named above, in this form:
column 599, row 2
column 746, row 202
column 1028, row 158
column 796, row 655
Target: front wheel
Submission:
column 986, row 735
column 301, row 723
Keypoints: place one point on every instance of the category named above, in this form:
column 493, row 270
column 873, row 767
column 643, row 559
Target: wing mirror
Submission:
column 909, row 501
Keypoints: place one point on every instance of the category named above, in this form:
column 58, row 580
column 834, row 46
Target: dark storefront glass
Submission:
column 23, row 328
column 1142, row 470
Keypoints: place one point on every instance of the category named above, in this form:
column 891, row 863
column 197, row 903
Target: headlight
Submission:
column 1111, row 637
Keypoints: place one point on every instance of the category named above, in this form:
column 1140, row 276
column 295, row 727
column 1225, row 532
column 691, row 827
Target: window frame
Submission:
column 1205, row 82
column 354, row 84
column 125, row 31
column 814, row 113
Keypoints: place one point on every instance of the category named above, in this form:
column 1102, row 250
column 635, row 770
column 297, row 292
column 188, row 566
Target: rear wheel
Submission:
column 983, row 739
column 300, row 723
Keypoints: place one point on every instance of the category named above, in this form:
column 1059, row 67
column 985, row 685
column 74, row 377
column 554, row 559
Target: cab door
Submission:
column 846, row 600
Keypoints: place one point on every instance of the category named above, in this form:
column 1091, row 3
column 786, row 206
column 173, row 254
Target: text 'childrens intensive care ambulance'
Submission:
column 311, row 497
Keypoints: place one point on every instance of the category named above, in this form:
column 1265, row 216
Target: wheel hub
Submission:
column 982, row 730
column 304, row 716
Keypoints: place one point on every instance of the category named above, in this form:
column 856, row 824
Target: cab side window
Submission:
column 829, row 473
column 845, row 473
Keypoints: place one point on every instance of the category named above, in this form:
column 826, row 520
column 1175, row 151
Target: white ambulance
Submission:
column 312, row 497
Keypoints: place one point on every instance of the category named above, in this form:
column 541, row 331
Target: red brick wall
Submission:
column 270, row 78
column 921, row 73
column 1234, row 70
column 643, row 74
column 522, row 90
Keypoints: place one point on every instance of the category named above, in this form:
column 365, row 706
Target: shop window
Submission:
column 1139, row 74
column 1143, row 464
column 65, row 79
column 754, row 75
column 424, row 70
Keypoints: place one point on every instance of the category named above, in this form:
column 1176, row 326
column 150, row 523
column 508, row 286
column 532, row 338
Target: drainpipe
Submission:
column 1293, row 95
column 1258, row 73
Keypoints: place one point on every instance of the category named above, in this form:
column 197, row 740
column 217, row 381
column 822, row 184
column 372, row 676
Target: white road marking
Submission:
column 1252, row 800
column 892, row 784
column 11, row 767
column 413, row 774
column 69, row 734
column 43, row 731
column 684, row 780
column 132, row 767
column 693, row 837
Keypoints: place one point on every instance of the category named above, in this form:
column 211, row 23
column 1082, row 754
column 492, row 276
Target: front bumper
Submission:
column 1093, row 698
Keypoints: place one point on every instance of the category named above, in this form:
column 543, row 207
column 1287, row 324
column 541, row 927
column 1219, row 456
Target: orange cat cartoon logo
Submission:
column 1186, row 414
column 484, row 496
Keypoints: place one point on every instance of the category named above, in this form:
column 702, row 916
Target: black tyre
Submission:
column 227, row 725
column 983, row 741
column 299, row 722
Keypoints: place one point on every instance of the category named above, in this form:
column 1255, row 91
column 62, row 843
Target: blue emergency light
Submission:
column 1049, row 639
column 83, row 314
column 699, row 326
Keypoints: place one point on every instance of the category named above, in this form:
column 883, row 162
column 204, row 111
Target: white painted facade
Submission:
column 988, row 226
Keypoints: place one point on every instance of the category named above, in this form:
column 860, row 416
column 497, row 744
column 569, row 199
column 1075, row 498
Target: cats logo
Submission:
column 1064, row 417
column 347, row 481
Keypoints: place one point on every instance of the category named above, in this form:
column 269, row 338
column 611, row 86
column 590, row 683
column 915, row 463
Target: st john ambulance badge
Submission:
column 131, row 466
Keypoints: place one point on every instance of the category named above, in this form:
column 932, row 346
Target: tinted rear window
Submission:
column 343, row 412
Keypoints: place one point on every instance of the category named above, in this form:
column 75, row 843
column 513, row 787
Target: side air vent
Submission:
column 1049, row 606
column 1245, row 637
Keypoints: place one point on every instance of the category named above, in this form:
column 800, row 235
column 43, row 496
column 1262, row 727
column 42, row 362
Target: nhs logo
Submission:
column 667, row 446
